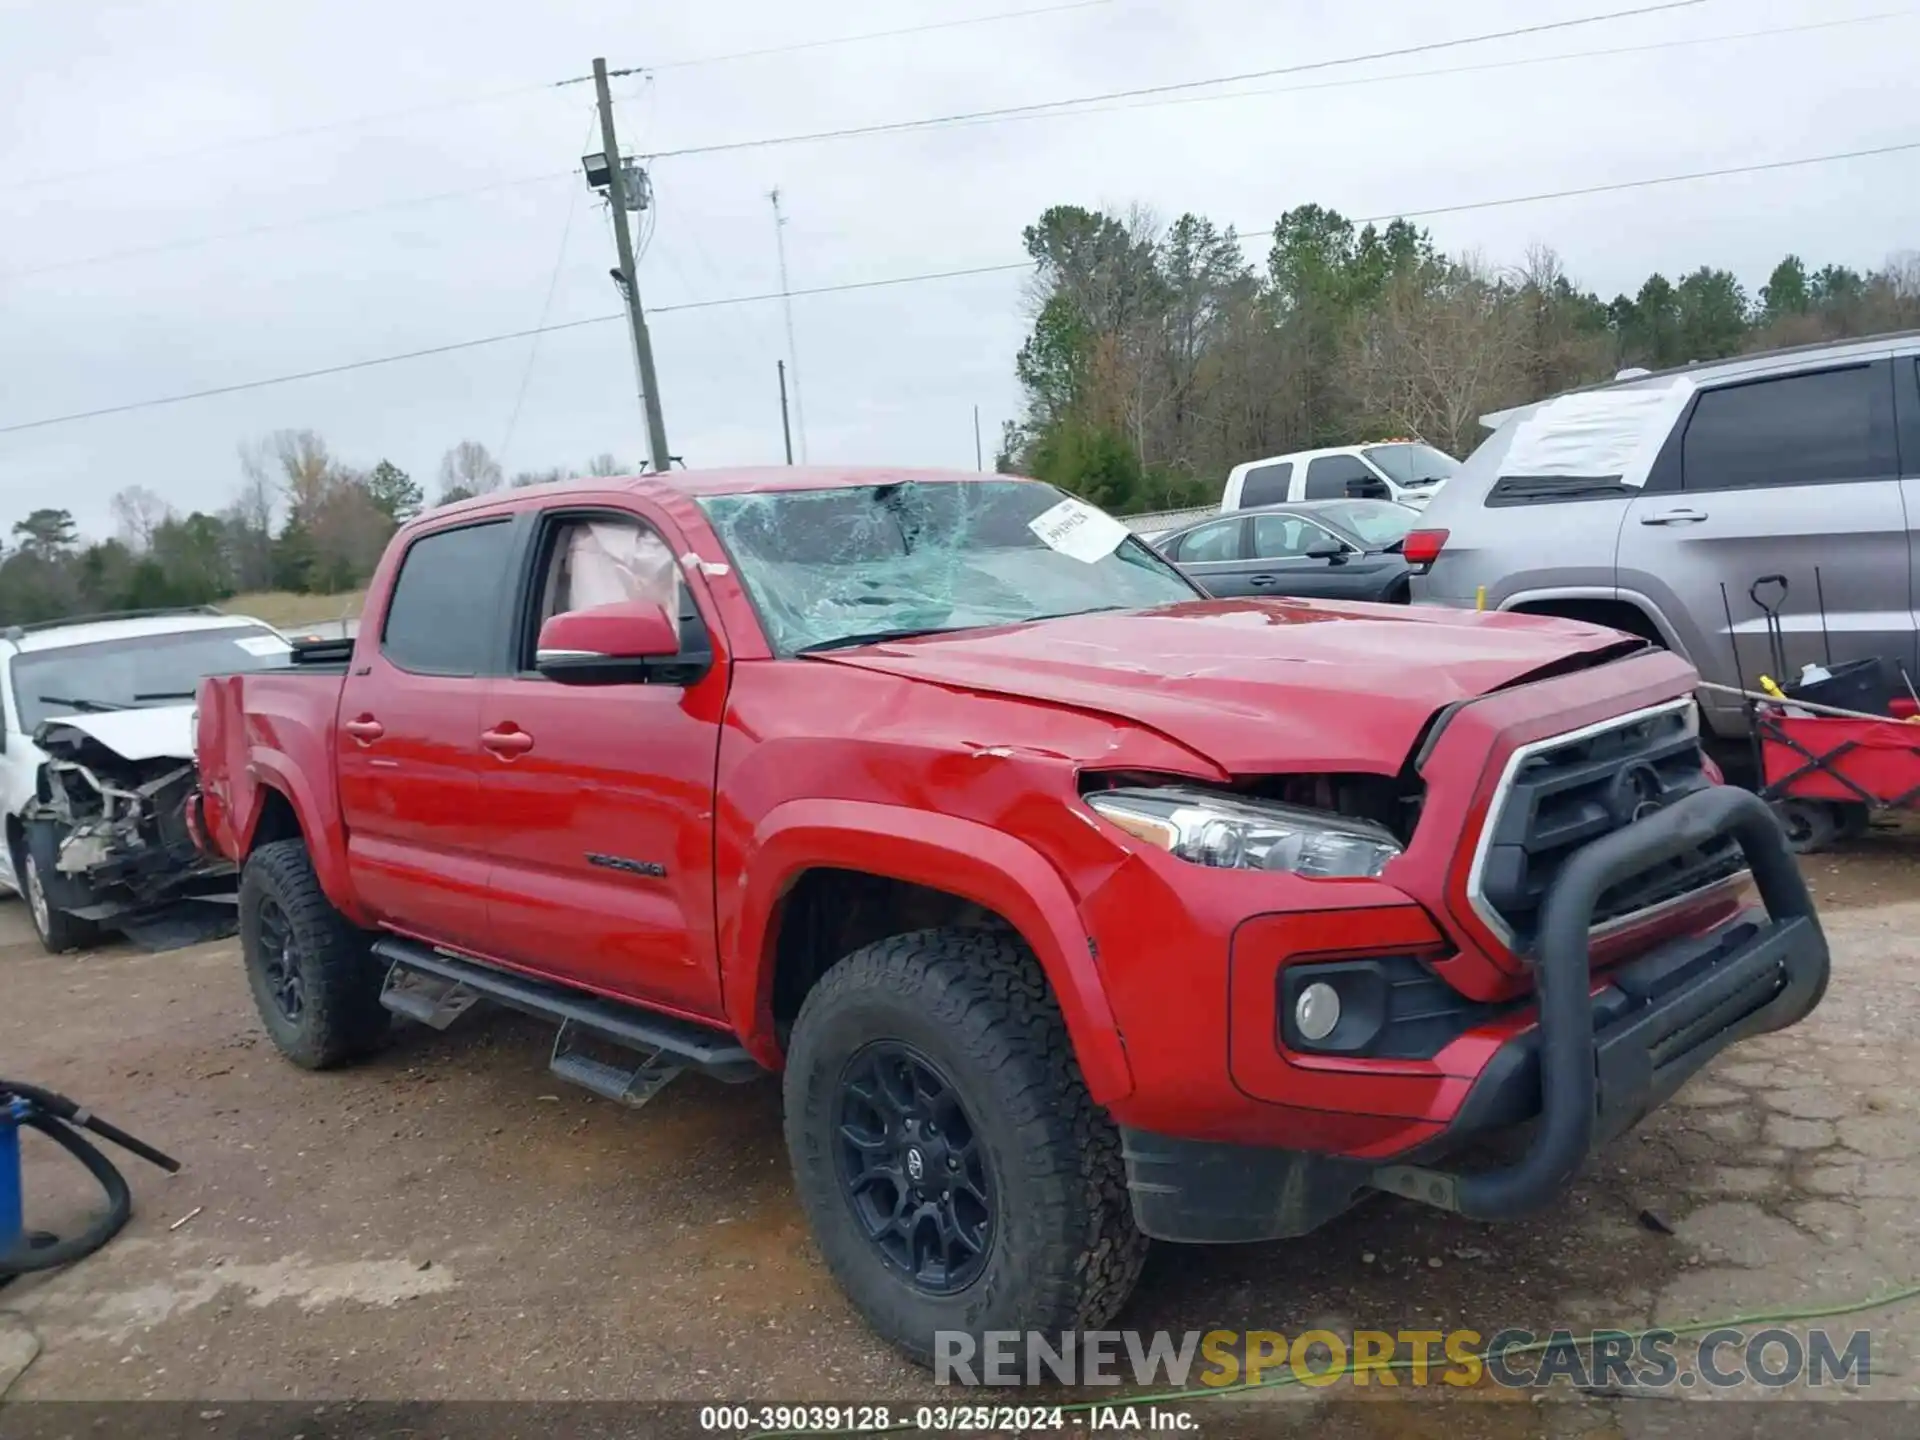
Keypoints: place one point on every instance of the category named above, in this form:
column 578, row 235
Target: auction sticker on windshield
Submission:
column 1078, row 530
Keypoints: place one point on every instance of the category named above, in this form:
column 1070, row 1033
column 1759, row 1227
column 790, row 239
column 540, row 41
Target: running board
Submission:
column 436, row 988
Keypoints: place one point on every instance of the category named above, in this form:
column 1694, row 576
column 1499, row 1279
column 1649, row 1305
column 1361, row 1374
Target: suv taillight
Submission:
column 1422, row 547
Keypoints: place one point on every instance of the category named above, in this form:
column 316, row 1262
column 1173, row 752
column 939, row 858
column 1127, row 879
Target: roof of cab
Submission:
column 747, row 481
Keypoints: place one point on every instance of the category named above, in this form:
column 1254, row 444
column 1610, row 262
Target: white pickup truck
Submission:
column 96, row 761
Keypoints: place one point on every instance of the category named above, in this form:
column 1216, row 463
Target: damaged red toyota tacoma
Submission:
column 1074, row 908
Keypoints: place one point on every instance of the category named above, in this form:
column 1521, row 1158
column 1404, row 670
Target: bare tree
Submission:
column 137, row 513
column 1443, row 346
column 250, row 519
column 306, row 469
column 604, row 466
column 468, row 469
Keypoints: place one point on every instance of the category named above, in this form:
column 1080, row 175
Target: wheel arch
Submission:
column 911, row 865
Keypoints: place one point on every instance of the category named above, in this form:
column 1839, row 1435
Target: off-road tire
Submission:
column 341, row 1018
column 1065, row 1253
column 33, row 859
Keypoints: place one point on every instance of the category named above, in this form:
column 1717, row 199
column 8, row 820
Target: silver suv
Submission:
column 1654, row 504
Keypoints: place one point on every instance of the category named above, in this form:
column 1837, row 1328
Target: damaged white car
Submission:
column 96, row 766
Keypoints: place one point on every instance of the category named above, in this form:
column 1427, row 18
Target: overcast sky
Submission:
column 121, row 119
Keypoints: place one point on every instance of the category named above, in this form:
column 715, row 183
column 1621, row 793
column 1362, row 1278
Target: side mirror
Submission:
column 622, row 643
column 1328, row 549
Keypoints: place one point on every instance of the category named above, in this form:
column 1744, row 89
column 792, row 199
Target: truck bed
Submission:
column 266, row 726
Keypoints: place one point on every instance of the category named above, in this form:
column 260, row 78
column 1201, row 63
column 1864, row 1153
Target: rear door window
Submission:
column 1794, row 430
column 1285, row 537
column 1265, row 485
column 1327, row 477
column 445, row 604
column 1210, row 543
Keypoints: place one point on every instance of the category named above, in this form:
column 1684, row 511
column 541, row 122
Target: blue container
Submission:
column 12, row 1202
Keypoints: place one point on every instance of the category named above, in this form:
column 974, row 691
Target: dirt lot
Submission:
column 450, row 1223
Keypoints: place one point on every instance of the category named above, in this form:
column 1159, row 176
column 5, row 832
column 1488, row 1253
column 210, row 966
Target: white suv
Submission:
column 96, row 759
column 1402, row 470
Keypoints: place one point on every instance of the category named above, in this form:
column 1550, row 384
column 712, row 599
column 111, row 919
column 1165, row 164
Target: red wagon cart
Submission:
column 1826, row 774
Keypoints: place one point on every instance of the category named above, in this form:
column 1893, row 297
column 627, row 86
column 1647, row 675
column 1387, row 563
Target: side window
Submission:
column 1283, row 537
column 1796, row 430
column 1211, row 542
column 441, row 613
column 1327, row 477
column 593, row 561
column 1265, row 485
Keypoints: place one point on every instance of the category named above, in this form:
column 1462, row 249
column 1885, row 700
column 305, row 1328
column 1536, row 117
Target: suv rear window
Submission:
column 1795, row 430
column 440, row 618
column 1265, row 485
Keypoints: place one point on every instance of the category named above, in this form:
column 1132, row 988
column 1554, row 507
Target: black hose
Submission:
column 59, row 1119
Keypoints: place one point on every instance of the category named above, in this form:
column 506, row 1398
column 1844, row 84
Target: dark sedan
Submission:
column 1326, row 549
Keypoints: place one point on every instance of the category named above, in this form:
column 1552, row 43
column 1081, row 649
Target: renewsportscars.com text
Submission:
column 1771, row 1358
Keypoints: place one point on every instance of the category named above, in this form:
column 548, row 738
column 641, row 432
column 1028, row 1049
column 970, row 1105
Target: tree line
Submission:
column 301, row 520
column 1159, row 356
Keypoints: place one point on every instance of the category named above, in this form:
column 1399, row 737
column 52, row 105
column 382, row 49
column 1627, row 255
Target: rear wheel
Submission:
column 956, row 1173
column 314, row 980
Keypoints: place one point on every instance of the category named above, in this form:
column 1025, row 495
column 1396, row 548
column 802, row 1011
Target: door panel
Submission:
column 1280, row 566
column 407, row 742
column 603, row 824
column 1792, row 476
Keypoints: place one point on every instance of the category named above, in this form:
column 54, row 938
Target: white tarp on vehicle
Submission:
column 1598, row 434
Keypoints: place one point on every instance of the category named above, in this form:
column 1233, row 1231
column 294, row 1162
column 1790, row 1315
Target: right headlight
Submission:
column 1232, row 833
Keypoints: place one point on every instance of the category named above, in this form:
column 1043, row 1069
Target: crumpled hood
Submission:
column 1256, row 686
column 151, row 732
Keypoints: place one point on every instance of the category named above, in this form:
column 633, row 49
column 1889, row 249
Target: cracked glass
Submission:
column 858, row 564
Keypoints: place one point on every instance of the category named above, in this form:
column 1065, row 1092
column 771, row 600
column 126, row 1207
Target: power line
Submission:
column 1477, row 67
column 546, row 305
column 324, row 127
column 467, row 102
column 360, row 212
column 800, row 45
column 245, row 232
column 923, row 278
column 1642, row 184
column 972, row 116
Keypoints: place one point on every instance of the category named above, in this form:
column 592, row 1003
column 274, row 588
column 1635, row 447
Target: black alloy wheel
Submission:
column 912, row 1168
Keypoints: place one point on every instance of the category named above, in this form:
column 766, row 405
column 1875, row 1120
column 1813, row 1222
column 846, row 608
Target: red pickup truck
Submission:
column 1074, row 906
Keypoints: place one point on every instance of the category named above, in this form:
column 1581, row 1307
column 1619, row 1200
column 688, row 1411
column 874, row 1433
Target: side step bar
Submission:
column 622, row 1052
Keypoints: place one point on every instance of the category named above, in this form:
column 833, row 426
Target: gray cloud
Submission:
column 888, row 375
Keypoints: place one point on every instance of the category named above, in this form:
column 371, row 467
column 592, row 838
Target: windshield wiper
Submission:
column 83, row 705
column 876, row 637
column 167, row 695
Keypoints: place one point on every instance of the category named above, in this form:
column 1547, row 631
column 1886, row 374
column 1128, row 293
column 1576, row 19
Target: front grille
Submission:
column 1562, row 793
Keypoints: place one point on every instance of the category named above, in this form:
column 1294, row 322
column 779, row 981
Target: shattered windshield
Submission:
column 828, row 568
column 136, row 671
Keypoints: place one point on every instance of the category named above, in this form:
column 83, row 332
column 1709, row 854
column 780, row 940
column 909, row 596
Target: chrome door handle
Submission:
column 1262, row 581
column 1674, row 517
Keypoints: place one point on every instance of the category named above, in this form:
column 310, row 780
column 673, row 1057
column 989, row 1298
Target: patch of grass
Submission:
column 283, row 608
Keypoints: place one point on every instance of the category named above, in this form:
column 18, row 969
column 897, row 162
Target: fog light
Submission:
column 1317, row 1011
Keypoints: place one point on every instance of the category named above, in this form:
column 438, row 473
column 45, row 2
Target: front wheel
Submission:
column 314, row 980
column 59, row 931
column 957, row 1175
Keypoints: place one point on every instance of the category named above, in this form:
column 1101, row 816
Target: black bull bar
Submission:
column 1678, row 1010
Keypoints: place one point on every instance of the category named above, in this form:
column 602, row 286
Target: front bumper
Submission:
column 1595, row 1061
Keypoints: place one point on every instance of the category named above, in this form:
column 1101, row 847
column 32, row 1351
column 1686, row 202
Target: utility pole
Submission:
column 786, row 431
column 979, row 461
column 786, row 300
column 616, row 183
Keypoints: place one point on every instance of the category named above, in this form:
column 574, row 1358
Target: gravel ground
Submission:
column 450, row 1223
